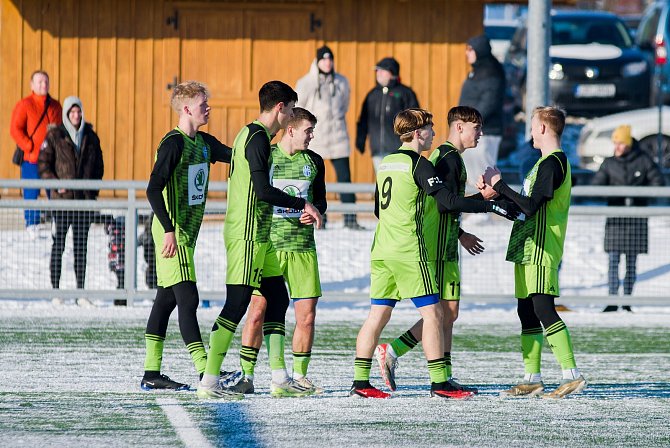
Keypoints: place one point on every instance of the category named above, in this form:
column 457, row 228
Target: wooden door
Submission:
column 235, row 48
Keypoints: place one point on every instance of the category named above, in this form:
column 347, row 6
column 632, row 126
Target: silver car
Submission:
column 595, row 142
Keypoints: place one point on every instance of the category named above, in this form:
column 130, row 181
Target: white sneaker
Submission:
column 33, row 232
column 216, row 392
column 308, row 384
column 289, row 388
column 387, row 365
column 567, row 387
column 84, row 302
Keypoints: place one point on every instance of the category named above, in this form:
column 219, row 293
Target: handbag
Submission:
column 17, row 157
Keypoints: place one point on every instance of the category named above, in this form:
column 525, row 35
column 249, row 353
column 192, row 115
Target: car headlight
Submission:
column 634, row 69
column 556, row 72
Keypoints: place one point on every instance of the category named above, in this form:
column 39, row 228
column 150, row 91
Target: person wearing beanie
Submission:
column 28, row 127
column 626, row 235
column 71, row 151
column 483, row 89
column 380, row 107
column 325, row 93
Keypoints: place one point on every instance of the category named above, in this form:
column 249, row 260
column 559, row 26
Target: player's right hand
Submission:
column 169, row 245
column 314, row 213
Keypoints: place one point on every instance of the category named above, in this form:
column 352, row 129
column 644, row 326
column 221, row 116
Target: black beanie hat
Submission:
column 323, row 53
column 389, row 64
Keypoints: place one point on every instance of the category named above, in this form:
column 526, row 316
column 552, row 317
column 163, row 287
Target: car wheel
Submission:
column 650, row 146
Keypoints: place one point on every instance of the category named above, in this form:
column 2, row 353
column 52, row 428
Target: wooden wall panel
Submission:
column 11, row 86
column 120, row 56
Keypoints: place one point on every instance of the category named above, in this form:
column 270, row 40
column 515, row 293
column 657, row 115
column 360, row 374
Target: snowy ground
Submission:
column 70, row 377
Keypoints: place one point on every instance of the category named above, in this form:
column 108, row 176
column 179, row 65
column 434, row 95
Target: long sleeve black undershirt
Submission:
column 319, row 183
column 550, row 176
column 257, row 153
column 167, row 158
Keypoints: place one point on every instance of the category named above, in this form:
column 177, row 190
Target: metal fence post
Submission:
column 130, row 277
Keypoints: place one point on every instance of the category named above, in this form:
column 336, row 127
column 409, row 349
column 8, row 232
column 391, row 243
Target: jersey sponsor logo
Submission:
column 197, row 180
column 292, row 187
column 402, row 167
column 307, row 170
column 434, row 181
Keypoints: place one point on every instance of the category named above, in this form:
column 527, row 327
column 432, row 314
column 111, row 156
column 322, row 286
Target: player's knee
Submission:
column 306, row 320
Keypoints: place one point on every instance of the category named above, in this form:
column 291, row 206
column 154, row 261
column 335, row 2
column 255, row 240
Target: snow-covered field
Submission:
column 70, row 377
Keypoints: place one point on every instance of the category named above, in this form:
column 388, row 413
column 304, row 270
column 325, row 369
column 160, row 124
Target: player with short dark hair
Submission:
column 251, row 257
column 465, row 128
column 401, row 265
column 300, row 172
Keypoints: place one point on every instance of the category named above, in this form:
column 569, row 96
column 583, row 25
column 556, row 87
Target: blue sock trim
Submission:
column 422, row 301
column 384, row 302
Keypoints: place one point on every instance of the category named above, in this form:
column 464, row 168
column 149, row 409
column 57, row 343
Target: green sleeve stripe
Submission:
column 249, row 218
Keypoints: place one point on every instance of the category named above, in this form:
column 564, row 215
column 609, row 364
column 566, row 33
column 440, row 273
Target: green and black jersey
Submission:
column 177, row 189
column 404, row 180
column 539, row 234
column 442, row 229
column 250, row 194
column 300, row 175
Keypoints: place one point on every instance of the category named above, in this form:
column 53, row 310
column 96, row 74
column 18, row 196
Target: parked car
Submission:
column 595, row 142
column 653, row 38
column 595, row 67
column 500, row 34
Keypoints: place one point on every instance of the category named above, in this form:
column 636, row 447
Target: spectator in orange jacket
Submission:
column 28, row 132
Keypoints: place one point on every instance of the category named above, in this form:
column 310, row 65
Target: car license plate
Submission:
column 595, row 90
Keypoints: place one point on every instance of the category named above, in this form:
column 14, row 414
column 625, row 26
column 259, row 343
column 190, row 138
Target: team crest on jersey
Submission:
column 307, row 170
column 204, row 152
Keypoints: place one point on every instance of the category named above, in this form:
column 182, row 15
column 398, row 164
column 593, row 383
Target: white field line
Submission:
column 187, row 431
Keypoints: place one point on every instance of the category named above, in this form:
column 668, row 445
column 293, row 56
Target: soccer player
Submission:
column 400, row 264
column 177, row 192
column 251, row 258
column 536, row 248
column 299, row 171
column 465, row 129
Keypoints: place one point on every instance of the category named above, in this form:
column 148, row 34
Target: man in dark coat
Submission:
column 71, row 151
column 380, row 107
column 626, row 235
column 483, row 89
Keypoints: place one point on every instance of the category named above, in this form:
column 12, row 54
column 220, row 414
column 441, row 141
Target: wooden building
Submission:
column 121, row 57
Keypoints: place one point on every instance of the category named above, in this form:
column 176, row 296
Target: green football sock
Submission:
column 559, row 340
column 219, row 342
column 275, row 336
column 198, row 355
column 154, row 354
column 531, row 349
column 301, row 362
column 248, row 358
column 362, row 368
column 447, row 360
column 437, row 370
column 404, row 343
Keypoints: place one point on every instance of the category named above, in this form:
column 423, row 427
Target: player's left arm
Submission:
column 319, row 183
column 220, row 151
column 470, row 242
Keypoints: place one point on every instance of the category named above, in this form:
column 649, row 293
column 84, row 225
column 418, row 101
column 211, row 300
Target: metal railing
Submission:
column 342, row 252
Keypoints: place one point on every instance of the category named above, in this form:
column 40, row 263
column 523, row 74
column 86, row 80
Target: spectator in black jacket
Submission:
column 626, row 235
column 484, row 90
column 380, row 107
